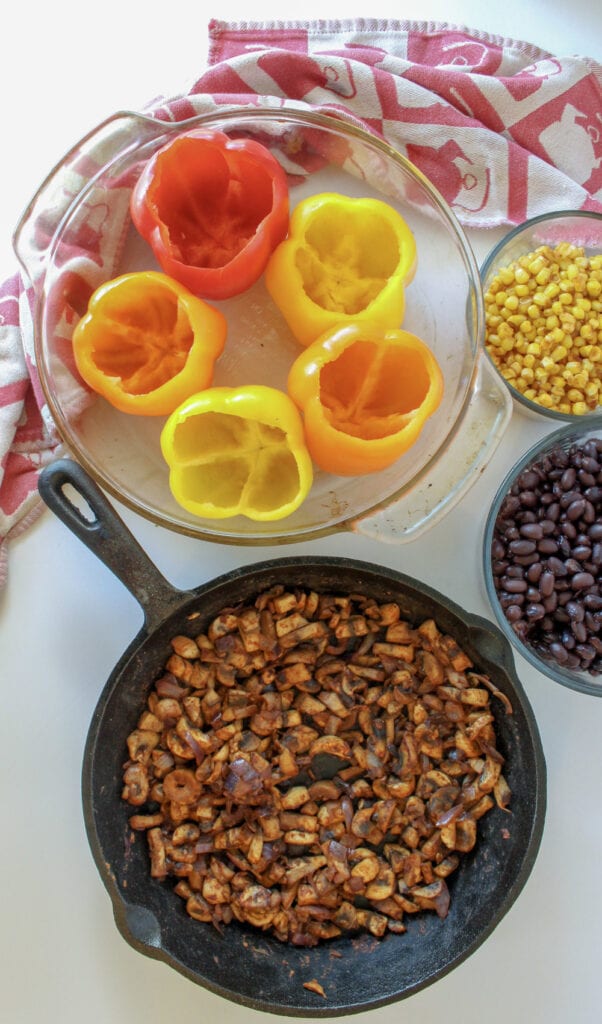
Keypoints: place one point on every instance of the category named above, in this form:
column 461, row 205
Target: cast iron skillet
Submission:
column 243, row 964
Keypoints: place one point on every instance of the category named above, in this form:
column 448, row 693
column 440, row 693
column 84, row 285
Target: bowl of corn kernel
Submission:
column 542, row 287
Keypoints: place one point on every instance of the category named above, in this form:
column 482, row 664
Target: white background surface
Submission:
column 64, row 619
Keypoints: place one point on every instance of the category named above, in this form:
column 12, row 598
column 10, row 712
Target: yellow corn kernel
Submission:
column 593, row 287
column 574, row 395
column 559, row 353
column 536, row 265
column 579, row 408
column 546, row 400
column 506, row 275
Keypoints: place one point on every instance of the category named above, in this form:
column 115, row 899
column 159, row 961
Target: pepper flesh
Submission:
column 212, row 209
column 365, row 394
column 146, row 343
column 237, row 451
column 345, row 259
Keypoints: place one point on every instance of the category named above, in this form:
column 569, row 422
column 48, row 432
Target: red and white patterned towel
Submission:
column 503, row 130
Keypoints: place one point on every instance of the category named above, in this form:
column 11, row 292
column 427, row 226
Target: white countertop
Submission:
column 65, row 620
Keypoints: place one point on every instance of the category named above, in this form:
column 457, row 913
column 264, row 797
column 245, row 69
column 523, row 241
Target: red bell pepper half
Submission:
column 212, row 210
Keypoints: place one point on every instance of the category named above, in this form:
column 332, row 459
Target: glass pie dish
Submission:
column 77, row 234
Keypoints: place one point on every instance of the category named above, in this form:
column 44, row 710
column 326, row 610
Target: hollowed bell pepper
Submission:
column 365, row 393
column 345, row 259
column 212, row 209
column 237, row 451
column 146, row 343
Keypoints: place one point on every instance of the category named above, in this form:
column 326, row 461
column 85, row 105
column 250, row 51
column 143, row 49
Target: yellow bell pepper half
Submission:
column 237, row 451
column 344, row 259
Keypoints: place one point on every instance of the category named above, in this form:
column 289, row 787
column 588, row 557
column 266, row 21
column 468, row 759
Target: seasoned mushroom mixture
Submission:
column 314, row 765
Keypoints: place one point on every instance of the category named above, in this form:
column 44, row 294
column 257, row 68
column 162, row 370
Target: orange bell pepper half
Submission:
column 345, row 259
column 365, row 393
column 146, row 343
column 212, row 209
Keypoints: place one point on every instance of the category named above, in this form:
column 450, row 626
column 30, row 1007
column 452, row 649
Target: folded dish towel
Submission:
column 503, row 129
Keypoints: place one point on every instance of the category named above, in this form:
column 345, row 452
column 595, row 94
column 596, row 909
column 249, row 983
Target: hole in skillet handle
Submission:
column 70, row 492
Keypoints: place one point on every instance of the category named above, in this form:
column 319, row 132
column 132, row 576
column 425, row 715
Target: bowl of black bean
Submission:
column 542, row 556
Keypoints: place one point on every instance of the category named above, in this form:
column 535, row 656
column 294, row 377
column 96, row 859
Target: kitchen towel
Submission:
column 503, row 129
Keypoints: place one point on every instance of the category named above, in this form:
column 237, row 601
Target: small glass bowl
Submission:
column 565, row 436
column 580, row 228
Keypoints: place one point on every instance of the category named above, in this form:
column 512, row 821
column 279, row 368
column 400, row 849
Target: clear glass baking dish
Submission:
column 77, row 233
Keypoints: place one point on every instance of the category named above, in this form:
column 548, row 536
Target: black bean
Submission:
column 513, row 586
column 528, row 499
column 586, row 479
column 547, row 546
column 546, row 583
column 527, row 559
column 528, row 479
column 559, row 652
column 568, row 640
column 522, row 547
column 532, row 531
column 534, row 573
column 575, row 610
column 589, row 513
column 497, row 549
column 549, row 527
column 582, row 580
column 567, row 480
column 586, row 652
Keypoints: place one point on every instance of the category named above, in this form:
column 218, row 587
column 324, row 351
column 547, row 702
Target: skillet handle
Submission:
column 103, row 531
